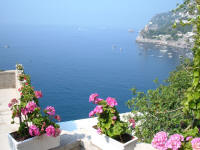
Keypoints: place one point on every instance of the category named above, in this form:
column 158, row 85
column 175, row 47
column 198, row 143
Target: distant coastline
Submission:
column 161, row 30
column 178, row 44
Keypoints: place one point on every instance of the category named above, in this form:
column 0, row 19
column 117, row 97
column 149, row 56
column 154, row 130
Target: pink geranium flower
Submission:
column 9, row 105
column 132, row 121
column 196, row 144
column 50, row 131
column 97, row 100
column 50, row 110
column 24, row 111
column 57, row 117
column 111, row 101
column 114, row 118
column 98, row 109
column 38, row 94
column 94, row 98
column 31, row 106
column 92, row 113
column 160, row 140
column 57, row 132
column 12, row 102
column 188, row 138
column 43, row 125
column 174, row 141
column 34, row 130
column 99, row 131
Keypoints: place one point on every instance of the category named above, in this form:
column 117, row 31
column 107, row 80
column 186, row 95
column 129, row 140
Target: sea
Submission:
column 68, row 63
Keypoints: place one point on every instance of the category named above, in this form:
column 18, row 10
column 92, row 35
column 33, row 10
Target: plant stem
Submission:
column 120, row 138
column 20, row 119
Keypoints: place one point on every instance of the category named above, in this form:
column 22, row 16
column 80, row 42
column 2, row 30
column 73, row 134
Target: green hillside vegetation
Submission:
column 161, row 24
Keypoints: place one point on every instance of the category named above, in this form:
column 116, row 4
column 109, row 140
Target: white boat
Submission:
column 170, row 56
column 163, row 51
column 5, row 46
column 130, row 30
column 113, row 46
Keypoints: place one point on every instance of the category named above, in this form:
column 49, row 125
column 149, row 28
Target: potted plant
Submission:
column 37, row 130
column 19, row 68
column 110, row 132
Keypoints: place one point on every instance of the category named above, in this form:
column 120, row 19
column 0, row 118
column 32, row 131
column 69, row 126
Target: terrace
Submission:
column 75, row 134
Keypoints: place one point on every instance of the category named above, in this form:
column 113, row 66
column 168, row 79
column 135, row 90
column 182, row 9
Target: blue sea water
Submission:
column 70, row 63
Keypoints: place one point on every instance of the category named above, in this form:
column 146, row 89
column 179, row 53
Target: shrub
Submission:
column 161, row 109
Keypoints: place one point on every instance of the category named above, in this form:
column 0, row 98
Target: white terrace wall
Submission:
column 7, row 79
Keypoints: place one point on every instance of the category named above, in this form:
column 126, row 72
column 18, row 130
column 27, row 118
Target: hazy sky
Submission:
column 101, row 13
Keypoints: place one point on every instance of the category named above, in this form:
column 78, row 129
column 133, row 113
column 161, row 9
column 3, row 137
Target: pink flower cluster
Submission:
column 188, row 138
column 50, row 110
column 111, row 101
column 38, row 94
column 94, row 98
column 19, row 89
column 174, row 142
column 30, row 107
column 34, row 130
column 132, row 121
column 99, row 131
column 12, row 102
column 97, row 110
column 57, row 117
column 114, row 118
column 161, row 142
column 51, row 131
column 196, row 144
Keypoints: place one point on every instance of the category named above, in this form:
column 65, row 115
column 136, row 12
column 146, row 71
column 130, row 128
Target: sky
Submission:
column 96, row 13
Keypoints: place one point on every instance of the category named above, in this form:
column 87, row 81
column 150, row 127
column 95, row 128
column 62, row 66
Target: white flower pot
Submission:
column 21, row 82
column 20, row 71
column 107, row 143
column 42, row 142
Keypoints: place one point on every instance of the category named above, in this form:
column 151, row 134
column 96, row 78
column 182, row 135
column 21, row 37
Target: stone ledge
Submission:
column 7, row 79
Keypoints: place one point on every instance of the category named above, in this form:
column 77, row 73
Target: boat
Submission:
column 113, row 46
column 170, row 56
column 6, row 46
column 130, row 30
column 163, row 51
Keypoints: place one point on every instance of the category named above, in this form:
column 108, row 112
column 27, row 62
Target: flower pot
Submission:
column 20, row 71
column 107, row 143
column 42, row 142
column 21, row 82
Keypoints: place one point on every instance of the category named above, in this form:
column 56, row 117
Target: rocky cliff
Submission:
column 160, row 31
